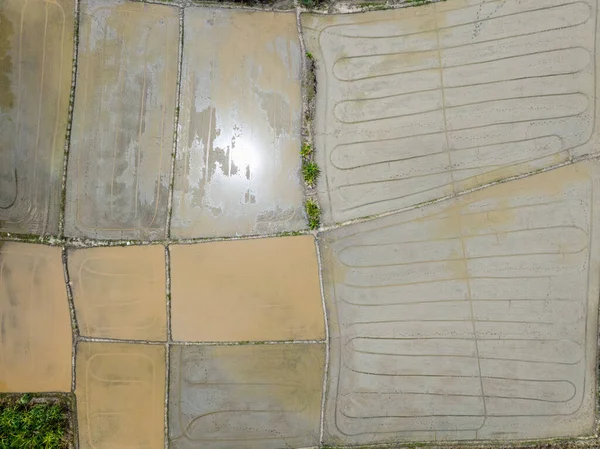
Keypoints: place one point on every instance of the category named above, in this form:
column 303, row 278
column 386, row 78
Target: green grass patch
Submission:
column 33, row 424
column 309, row 4
column 306, row 150
column 311, row 172
column 313, row 212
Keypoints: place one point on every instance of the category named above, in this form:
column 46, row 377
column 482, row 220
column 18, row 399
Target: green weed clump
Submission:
column 311, row 172
column 309, row 4
column 314, row 213
column 306, row 150
column 27, row 425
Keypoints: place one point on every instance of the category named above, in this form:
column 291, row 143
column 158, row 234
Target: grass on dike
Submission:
column 313, row 212
column 27, row 424
column 311, row 172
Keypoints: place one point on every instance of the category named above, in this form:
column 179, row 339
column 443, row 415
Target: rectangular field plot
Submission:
column 245, row 397
column 246, row 290
column 120, row 395
column 120, row 292
column 123, row 126
column 469, row 319
column 418, row 103
column 35, row 326
column 36, row 53
column 238, row 162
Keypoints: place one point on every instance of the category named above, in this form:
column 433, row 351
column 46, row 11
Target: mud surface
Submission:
column 36, row 49
column 246, row 397
column 120, row 395
column 120, row 292
column 35, row 327
column 418, row 103
column 472, row 319
column 260, row 289
column 238, row 155
column 119, row 166
column 469, row 319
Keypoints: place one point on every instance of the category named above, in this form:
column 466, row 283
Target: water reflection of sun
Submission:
column 246, row 155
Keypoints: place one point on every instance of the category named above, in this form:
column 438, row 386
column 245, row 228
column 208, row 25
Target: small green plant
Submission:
column 311, row 172
column 306, row 150
column 309, row 4
column 313, row 213
column 310, row 56
column 28, row 425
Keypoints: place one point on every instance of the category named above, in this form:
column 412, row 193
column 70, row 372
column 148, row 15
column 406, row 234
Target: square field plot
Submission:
column 418, row 103
column 238, row 154
column 259, row 289
column 35, row 326
column 470, row 319
column 120, row 395
column 119, row 166
column 36, row 52
column 120, row 292
column 245, row 397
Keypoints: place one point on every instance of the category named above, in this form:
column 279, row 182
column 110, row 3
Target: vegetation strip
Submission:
column 310, row 169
